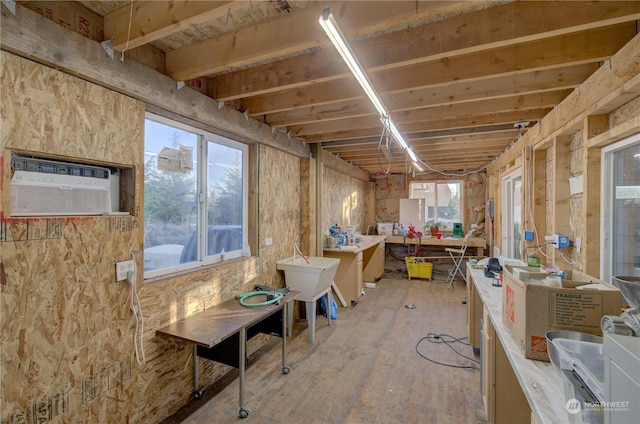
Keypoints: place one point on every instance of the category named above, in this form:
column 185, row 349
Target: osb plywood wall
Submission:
column 67, row 331
column 344, row 201
column 66, row 327
column 279, row 210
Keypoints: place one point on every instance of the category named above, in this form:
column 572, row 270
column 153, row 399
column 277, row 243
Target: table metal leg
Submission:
column 289, row 308
column 244, row 412
column 285, row 311
column 197, row 393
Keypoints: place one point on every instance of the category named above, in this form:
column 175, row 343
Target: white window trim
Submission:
column 606, row 204
column 508, row 241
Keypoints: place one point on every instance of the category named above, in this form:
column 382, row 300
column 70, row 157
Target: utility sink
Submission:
column 312, row 279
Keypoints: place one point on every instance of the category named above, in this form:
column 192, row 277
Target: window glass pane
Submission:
column 224, row 199
column 170, row 195
column 626, row 211
column 516, row 234
column 442, row 201
column 511, row 214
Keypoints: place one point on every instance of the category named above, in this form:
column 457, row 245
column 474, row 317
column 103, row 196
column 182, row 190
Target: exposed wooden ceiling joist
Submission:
column 455, row 75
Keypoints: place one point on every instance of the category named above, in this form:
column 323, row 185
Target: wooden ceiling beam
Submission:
column 444, row 124
column 459, row 35
column 573, row 49
column 152, row 20
column 468, row 151
column 435, row 144
column 425, row 115
column 299, row 31
column 455, row 93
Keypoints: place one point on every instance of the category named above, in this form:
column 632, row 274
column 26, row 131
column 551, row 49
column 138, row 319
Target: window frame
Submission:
column 608, row 202
column 204, row 138
column 511, row 241
column 437, row 182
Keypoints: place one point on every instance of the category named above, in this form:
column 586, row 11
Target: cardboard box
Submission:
column 385, row 228
column 530, row 308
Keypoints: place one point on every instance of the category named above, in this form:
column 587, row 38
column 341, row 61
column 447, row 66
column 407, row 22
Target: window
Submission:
column 512, row 214
column 620, row 247
column 443, row 202
column 195, row 197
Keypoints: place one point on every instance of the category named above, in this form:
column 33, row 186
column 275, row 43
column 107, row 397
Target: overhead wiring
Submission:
column 379, row 151
column 448, row 341
column 455, row 174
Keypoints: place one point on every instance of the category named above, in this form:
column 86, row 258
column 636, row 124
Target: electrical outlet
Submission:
column 122, row 268
column 578, row 244
column 268, row 241
column 560, row 241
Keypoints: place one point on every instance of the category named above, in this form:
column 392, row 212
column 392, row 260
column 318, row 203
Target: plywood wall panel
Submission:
column 44, row 110
column 344, row 201
column 279, row 211
column 67, row 330
column 63, row 318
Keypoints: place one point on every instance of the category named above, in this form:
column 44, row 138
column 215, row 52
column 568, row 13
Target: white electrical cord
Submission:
column 136, row 308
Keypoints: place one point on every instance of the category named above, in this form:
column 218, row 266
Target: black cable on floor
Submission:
column 447, row 340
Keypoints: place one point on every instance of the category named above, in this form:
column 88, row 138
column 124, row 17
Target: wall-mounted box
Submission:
column 42, row 187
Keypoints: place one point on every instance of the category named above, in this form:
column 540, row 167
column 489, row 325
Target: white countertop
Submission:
column 366, row 243
column 540, row 381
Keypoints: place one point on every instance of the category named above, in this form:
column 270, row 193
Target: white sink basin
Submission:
column 312, row 279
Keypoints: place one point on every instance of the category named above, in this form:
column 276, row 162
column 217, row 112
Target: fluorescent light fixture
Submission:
column 412, row 155
column 330, row 26
column 418, row 167
column 394, row 131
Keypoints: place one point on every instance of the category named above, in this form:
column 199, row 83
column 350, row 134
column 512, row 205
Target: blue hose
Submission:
column 276, row 299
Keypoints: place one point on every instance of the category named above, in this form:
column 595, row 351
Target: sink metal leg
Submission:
column 329, row 299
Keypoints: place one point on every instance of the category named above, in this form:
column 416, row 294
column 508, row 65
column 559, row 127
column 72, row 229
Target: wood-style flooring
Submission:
column 364, row 368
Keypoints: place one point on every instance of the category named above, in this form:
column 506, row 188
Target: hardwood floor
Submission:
column 364, row 368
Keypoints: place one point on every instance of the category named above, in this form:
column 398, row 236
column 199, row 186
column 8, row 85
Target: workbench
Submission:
column 514, row 389
column 476, row 243
column 220, row 334
column 363, row 261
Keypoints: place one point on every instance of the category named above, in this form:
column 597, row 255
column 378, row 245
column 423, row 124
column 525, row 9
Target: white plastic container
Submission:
column 312, row 279
column 583, row 365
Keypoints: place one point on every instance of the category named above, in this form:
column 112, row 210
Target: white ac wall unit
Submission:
column 41, row 187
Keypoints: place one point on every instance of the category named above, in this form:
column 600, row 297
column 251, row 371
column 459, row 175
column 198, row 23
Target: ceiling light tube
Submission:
column 418, row 167
column 412, row 155
column 396, row 134
column 330, row 26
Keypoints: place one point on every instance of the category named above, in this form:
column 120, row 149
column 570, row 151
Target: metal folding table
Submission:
column 220, row 334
